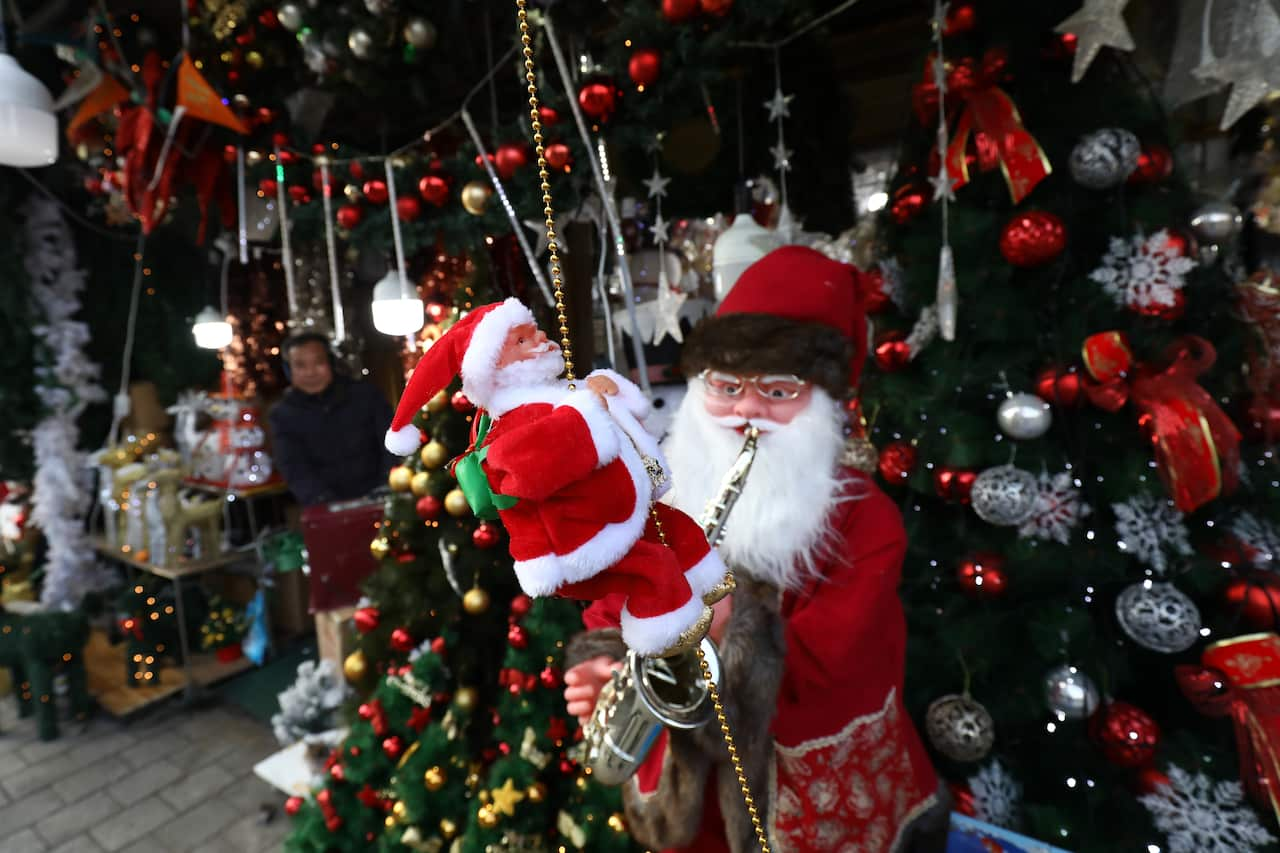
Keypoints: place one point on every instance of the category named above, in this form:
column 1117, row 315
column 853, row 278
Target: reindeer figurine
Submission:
column 185, row 434
column 170, row 516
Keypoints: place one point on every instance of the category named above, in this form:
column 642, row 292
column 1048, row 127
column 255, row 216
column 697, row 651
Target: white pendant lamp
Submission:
column 397, row 310
column 211, row 329
column 28, row 126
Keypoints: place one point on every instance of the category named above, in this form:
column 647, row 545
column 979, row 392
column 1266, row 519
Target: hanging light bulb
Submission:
column 28, row 126
column 211, row 329
column 397, row 310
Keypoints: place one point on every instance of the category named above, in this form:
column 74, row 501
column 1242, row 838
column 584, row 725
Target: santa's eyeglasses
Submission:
column 773, row 386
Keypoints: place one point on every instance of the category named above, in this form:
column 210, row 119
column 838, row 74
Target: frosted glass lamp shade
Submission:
column 211, row 329
column 28, row 126
column 397, row 310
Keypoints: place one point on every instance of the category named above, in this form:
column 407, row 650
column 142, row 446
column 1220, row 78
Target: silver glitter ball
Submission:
column 960, row 728
column 1105, row 158
column 1004, row 495
column 1070, row 693
column 1024, row 416
column 1217, row 222
column 420, row 33
column 360, row 43
column 1158, row 616
column 290, row 16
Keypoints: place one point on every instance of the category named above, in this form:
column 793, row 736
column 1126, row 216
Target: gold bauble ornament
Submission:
column 475, row 197
column 475, row 601
column 433, row 454
column 253, row 59
column 420, row 484
column 352, row 192
column 380, row 548
column 455, row 503
column 448, row 828
column 860, row 454
column 389, row 821
column 537, row 792
column 487, row 817
column 355, row 667
column 466, row 698
column 400, row 810
column 617, row 823
column 437, row 402
column 400, row 478
column 434, row 778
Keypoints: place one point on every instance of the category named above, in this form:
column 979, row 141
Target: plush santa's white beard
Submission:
column 778, row 531
column 543, row 369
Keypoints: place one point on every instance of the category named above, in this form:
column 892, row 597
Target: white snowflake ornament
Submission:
column 1148, row 527
column 1200, row 816
column 1143, row 272
column 1260, row 538
column 997, row 796
column 1058, row 510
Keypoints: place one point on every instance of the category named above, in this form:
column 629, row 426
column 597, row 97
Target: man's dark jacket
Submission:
column 328, row 446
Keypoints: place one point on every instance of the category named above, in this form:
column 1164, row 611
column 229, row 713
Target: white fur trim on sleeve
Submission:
column 604, row 431
column 653, row 635
column 704, row 575
column 403, row 441
column 629, row 394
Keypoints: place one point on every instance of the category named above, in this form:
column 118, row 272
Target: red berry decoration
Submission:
column 875, row 297
column 897, row 460
column 1167, row 313
column 1148, row 780
column 676, row 11
column 558, row 156
column 517, row 636
column 1254, row 600
column 908, row 202
column 548, row 116
column 288, row 157
column 292, row 805
column 434, row 190
column 1060, row 387
column 892, row 351
column 509, row 159
column 598, row 100
column 299, row 194
column 550, row 678
column 520, row 606
column 438, row 646
column 961, row 18
column 349, row 216
column 1033, row 238
column 402, row 640
column 460, row 402
column 981, row 575
column 1180, row 242
column 716, row 8
column 953, row 484
column 1126, row 734
column 356, row 170
column 645, row 66
column 393, row 747
column 365, row 711
column 1155, row 163
column 485, row 536
column 375, row 191
column 268, row 19
column 408, row 208
column 267, row 186
column 429, row 507
column 366, row 619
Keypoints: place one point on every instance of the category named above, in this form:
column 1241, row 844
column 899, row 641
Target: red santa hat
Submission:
column 779, row 318
column 470, row 348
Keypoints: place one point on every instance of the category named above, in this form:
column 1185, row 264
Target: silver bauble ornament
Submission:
column 1104, row 158
column 379, row 7
column 960, row 728
column 360, row 43
column 420, row 33
column 1070, row 693
column 1004, row 495
column 1158, row 616
column 1209, row 254
column 290, row 16
column 1216, row 222
column 1024, row 416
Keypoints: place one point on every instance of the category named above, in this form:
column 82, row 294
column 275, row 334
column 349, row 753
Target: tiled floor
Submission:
column 175, row 781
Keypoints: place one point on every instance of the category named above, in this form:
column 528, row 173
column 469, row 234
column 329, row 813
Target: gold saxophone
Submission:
column 649, row 693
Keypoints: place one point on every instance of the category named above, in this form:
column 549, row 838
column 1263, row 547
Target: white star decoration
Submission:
column 1098, row 24
column 781, row 157
column 657, row 185
column 660, row 227
column 667, row 315
column 537, row 226
column 1251, row 71
column 942, row 185
column 779, row 106
column 654, row 146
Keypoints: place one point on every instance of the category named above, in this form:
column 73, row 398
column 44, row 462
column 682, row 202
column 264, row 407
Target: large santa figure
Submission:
column 584, row 476
column 812, row 642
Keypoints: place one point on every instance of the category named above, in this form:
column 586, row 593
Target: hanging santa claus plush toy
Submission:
column 576, row 478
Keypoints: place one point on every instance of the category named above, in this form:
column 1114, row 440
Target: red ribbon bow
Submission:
column 1197, row 446
column 987, row 111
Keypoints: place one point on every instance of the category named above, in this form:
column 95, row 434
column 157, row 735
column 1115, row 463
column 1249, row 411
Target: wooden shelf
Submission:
column 177, row 571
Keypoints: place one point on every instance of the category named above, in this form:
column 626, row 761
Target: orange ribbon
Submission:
column 1251, row 665
column 1197, row 447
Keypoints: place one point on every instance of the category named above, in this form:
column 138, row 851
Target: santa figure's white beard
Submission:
column 542, row 369
column 778, row 531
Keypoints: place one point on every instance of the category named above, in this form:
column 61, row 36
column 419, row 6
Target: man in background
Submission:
column 328, row 428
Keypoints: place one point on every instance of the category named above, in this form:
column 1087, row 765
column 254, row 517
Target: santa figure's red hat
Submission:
column 470, row 349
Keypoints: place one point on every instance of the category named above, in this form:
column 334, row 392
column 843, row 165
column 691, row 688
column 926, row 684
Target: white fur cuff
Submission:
column 706, row 573
column 653, row 635
column 403, row 441
column 604, row 431
column 629, row 394
column 539, row 576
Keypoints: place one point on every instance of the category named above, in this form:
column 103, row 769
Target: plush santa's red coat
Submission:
column 847, row 757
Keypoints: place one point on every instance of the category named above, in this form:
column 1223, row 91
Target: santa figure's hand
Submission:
column 583, row 684
column 603, row 386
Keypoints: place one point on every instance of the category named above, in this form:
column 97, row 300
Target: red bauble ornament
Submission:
column 356, row 170
column 229, row 153
column 676, row 11
column 1060, row 387
column 368, row 797
column 246, row 37
column 558, row 156
column 279, row 139
column 964, row 802
column 317, row 176
column 265, row 115
column 981, row 575
column 402, row 640
column 509, row 159
column 645, row 66
column 1179, row 242
column 393, row 747
column 1033, row 238
column 716, row 8
column 337, row 773
column 550, row 678
column 288, row 157
column 268, row 19
column 365, row 711
column 93, row 185
column 438, row 646
column 1254, row 599
column 460, row 402
column 1155, row 163
column 408, row 208
column 434, row 190
column 598, row 100
column 1148, row 780
column 267, row 186
column 897, row 460
column 1206, row 688
column 892, row 351
column 961, row 18
column 485, row 536
column 520, row 606
column 292, row 805
column 1261, row 421
column 953, row 484
column 366, row 619
column 517, row 636
column 548, row 116
column 875, row 298
column 299, row 194
column 1126, row 734
column 429, row 507
column 375, row 191
column 349, row 216
column 566, row 766
column 908, row 201
column 1167, row 313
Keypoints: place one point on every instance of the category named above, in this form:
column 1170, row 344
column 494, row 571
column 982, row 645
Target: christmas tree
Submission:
column 1085, row 519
